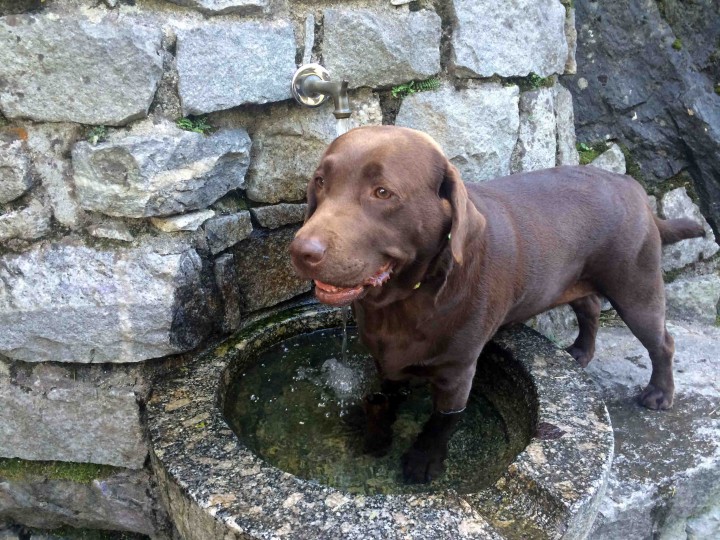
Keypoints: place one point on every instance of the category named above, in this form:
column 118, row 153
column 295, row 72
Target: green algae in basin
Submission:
column 294, row 408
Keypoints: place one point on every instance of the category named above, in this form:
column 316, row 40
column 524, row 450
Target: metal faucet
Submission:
column 311, row 86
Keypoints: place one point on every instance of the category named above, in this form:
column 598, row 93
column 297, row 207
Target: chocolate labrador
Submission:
column 433, row 267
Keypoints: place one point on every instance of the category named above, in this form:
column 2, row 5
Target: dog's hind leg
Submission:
column 587, row 311
column 641, row 304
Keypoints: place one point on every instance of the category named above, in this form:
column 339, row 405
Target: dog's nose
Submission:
column 307, row 252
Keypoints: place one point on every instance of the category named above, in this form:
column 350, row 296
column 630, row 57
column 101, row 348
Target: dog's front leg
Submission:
column 424, row 461
column 380, row 414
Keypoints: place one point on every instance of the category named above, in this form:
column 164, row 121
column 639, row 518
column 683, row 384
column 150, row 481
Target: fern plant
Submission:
column 407, row 89
column 197, row 124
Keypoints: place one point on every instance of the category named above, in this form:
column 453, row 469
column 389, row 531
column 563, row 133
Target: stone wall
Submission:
column 132, row 229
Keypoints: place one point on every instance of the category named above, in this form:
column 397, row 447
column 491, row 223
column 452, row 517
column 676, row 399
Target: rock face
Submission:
column 72, row 303
column 537, row 138
column 676, row 204
column 379, row 50
column 486, row 38
column 167, row 172
column 28, row 223
column 272, row 217
column 261, row 70
column 288, row 142
column 117, row 502
column 85, row 414
column 264, row 272
column 694, row 298
column 665, row 480
column 567, row 153
column 649, row 82
column 612, row 160
column 225, row 231
column 15, row 175
column 222, row 7
column 92, row 73
column 480, row 150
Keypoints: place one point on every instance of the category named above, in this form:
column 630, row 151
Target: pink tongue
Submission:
column 337, row 296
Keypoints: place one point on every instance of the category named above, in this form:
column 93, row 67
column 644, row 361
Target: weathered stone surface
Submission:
column 558, row 325
column 169, row 171
column 221, row 66
column 289, row 140
column 120, row 502
column 273, row 217
column 85, row 414
column 612, row 160
column 567, row 153
column 28, row 223
column 112, row 230
column 11, row 7
column 571, row 36
column 659, row 101
column 222, row 7
column 264, row 271
column 93, row 73
column 694, row 298
column 536, row 147
column 676, row 204
column 50, row 146
column 71, row 303
column 227, row 283
column 379, row 50
column 223, row 232
column 481, row 150
column 509, row 38
column 184, row 222
column 15, row 174
column 666, row 474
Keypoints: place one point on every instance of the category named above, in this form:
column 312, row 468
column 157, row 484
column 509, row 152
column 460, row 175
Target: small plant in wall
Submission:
column 97, row 134
column 198, row 124
column 413, row 87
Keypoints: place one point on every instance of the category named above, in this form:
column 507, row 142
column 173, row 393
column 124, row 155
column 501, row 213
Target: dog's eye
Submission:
column 319, row 182
column 382, row 193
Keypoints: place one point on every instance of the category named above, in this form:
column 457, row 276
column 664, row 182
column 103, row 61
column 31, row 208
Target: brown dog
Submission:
column 434, row 267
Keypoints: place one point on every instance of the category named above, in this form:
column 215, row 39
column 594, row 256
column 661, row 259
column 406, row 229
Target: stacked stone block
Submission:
column 125, row 239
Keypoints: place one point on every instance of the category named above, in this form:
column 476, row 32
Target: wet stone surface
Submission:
column 209, row 479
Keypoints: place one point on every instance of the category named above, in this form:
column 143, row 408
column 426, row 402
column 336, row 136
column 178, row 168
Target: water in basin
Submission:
column 296, row 407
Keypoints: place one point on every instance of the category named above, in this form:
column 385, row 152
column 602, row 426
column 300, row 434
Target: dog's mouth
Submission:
column 343, row 296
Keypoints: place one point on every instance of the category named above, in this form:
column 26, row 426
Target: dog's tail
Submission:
column 674, row 230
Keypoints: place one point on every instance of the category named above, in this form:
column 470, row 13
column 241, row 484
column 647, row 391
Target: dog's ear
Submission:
column 453, row 189
column 311, row 200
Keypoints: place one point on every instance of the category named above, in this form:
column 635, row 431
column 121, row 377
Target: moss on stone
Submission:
column 589, row 151
column 677, row 44
column 14, row 469
column 632, row 168
column 70, row 533
column 531, row 82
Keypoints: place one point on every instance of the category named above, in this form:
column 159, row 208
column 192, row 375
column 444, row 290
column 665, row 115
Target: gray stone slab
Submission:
column 612, row 160
column 82, row 71
column 162, row 172
column 536, row 147
column 184, row 222
column 477, row 128
column 509, row 39
column 15, row 175
column 694, row 298
column 224, row 65
column 112, row 230
column 68, row 302
column 378, row 50
column 223, row 7
column 279, row 215
column 227, row 283
column 223, row 232
column 85, row 414
column 665, row 480
column 28, row 223
column 289, row 140
column 567, row 153
column 264, row 271
column 50, row 146
column 119, row 502
column 676, row 204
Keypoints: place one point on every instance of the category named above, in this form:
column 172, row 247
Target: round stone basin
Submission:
column 240, row 450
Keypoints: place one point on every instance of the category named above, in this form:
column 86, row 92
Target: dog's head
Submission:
column 385, row 207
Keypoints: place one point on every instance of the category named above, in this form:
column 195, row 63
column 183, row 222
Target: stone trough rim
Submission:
column 192, row 444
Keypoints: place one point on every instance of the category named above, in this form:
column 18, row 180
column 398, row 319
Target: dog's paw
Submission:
column 422, row 466
column 655, row 398
column 580, row 355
